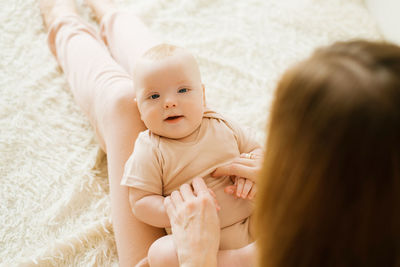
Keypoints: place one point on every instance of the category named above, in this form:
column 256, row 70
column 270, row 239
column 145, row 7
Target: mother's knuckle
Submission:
column 205, row 200
column 190, row 206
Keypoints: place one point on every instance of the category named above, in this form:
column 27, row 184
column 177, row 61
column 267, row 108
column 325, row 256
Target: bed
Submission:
column 54, row 197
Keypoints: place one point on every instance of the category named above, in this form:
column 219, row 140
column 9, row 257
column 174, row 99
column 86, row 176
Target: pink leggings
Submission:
column 98, row 68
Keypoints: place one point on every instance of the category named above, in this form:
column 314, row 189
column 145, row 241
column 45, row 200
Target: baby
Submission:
column 184, row 140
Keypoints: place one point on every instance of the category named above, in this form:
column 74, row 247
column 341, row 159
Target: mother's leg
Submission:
column 105, row 93
column 126, row 36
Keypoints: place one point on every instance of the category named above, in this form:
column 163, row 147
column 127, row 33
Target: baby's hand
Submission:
column 242, row 188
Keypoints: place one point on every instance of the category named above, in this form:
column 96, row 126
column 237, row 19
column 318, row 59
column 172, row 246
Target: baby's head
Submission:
column 169, row 92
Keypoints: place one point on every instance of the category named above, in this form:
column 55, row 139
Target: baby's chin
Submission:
column 184, row 135
column 176, row 136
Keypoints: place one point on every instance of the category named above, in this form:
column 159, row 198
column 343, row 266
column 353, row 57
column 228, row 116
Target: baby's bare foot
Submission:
column 51, row 9
column 101, row 7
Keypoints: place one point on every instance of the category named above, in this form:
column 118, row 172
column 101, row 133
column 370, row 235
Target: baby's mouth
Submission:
column 173, row 118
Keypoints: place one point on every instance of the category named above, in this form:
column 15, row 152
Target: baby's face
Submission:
column 170, row 95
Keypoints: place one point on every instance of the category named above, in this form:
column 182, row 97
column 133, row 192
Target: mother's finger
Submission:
column 176, row 198
column 253, row 192
column 251, row 155
column 239, row 186
column 186, row 192
column 200, row 186
column 236, row 169
column 214, row 198
column 170, row 208
column 246, row 188
column 246, row 161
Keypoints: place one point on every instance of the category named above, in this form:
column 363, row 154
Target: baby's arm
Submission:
column 148, row 207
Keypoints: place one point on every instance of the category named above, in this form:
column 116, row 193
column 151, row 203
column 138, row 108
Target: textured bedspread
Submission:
column 54, row 197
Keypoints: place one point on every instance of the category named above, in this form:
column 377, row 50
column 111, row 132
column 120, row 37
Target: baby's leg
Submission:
column 242, row 257
column 163, row 253
column 123, row 32
column 239, row 235
column 104, row 91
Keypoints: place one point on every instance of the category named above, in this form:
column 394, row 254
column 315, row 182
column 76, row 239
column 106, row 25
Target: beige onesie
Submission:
column 160, row 165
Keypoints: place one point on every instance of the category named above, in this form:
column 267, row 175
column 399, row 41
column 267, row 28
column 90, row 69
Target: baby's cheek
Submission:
column 152, row 120
column 146, row 120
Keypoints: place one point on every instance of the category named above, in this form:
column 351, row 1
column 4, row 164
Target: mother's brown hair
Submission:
column 329, row 192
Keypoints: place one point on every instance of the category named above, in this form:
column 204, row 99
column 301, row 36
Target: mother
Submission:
column 329, row 192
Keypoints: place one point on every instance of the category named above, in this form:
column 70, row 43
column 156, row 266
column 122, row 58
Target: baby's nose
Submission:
column 170, row 103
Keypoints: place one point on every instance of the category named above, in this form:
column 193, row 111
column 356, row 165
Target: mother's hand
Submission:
column 244, row 171
column 195, row 224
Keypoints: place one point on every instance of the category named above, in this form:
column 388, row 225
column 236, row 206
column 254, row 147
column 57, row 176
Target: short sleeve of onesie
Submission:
column 143, row 168
column 245, row 137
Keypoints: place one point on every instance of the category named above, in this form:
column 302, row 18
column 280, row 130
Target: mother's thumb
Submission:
column 221, row 171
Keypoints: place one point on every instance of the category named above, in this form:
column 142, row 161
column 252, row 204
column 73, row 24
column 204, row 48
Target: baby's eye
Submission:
column 154, row 96
column 183, row 90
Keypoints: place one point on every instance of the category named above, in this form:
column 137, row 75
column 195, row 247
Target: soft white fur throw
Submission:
column 54, row 196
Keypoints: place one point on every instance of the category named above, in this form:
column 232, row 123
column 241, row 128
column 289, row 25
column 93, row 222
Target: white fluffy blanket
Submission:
column 54, row 197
